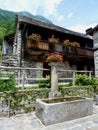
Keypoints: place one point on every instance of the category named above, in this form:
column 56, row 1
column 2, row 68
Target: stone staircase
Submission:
column 9, row 60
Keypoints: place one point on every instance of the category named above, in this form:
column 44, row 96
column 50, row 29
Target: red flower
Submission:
column 53, row 40
column 66, row 42
column 54, row 58
column 35, row 37
column 76, row 44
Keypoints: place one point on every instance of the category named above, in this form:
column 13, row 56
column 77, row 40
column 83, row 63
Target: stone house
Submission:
column 17, row 51
column 94, row 33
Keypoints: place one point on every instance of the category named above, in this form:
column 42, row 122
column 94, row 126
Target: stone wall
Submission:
column 9, row 60
column 65, row 66
column 21, row 100
column 95, row 40
column 33, row 73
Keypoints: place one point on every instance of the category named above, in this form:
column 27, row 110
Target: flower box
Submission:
column 37, row 45
column 54, row 58
column 34, row 36
column 53, row 40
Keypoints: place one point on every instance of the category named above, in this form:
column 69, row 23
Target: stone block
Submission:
column 51, row 113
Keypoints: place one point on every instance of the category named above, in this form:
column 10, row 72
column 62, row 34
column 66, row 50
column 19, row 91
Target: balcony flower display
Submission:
column 76, row 44
column 53, row 40
column 54, row 58
column 34, row 37
column 66, row 42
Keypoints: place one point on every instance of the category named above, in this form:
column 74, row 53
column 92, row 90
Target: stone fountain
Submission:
column 56, row 109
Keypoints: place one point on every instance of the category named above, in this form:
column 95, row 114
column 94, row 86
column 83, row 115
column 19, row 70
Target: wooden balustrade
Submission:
column 43, row 45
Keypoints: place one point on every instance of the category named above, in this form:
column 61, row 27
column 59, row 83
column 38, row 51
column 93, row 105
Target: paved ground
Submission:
column 31, row 122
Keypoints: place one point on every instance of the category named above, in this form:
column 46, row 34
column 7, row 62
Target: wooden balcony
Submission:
column 55, row 48
column 41, row 45
column 85, row 52
column 58, row 48
column 80, row 52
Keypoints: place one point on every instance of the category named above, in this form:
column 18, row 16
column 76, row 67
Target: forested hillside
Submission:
column 7, row 21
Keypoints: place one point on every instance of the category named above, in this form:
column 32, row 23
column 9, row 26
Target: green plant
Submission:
column 44, row 83
column 84, row 91
column 7, row 84
column 83, row 79
column 29, row 108
column 34, row 37
column 53, row 40
column 76, row 44
column 65, row 85
column 66, row 42
column 54, row 58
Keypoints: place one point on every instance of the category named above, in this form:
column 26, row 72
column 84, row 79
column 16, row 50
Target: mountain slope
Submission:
column 7, row 21
column 38, row 17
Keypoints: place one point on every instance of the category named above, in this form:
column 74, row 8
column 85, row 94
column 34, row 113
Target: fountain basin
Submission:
column 56, row 110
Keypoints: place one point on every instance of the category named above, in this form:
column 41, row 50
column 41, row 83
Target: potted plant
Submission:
column 54, row 44
column 34, row 37
column 54, row 58
column 66, row 42
column 53, row 40
column 32, row 40
column 76, row 44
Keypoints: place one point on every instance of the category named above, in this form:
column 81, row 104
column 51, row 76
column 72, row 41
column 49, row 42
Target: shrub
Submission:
column 45, row 83
column 7, row 84
column 83, row 79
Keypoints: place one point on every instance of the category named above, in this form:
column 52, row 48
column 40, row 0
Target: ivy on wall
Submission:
column 24, row 101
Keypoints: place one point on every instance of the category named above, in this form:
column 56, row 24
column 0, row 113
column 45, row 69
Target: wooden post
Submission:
column 73, row 78
column 90, row 75
column 23, row 80
column 19, row 77
column 8, row 107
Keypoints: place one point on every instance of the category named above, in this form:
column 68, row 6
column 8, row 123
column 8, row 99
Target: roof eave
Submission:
column 49, row 26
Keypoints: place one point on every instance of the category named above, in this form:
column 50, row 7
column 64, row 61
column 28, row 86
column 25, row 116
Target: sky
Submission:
column 76, row 15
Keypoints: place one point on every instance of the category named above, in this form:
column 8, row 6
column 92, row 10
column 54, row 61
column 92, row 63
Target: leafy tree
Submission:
column 7, row 21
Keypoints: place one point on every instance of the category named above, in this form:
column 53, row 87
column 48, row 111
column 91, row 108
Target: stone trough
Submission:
column 56, row 110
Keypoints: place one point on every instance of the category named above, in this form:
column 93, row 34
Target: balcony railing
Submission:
column 85, row 52
column 37, row 45
column 43, row 45
column 79, row 51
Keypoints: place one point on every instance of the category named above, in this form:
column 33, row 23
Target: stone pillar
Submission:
column 95, row 45
column 54, row 81
column 54, row 78
column 19, row 47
